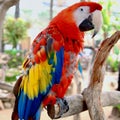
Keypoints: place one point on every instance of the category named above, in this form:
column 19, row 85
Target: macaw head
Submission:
column 88, row 16
column 85, row 15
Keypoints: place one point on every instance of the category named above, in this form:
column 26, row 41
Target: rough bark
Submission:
column 92, row 94
column 4, row 6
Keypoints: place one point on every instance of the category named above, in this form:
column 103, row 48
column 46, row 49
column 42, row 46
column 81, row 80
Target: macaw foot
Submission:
column 63, row 105
column 58, row 109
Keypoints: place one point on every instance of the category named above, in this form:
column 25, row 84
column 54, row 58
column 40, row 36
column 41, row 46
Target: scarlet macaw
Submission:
column 49, row 67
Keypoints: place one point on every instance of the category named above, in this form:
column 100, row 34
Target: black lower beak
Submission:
column 86, row 25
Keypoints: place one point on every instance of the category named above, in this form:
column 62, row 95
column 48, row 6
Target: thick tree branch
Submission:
column 93, row 92
column 9, row 3
column 77, row 104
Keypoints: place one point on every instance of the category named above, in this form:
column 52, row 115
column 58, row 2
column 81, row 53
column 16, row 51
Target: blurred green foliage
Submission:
column 14, row 63
column 113, row 64
column 118, row 106
column 106, row 14
column 15, row 30
column 110, row 18
column 113, row 60
column 11, row 75
column 111, row 23
column 15, row 58
column 10, row 78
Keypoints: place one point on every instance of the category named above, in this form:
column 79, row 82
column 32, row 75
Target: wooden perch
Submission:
column 77, row 104
column 91, row 98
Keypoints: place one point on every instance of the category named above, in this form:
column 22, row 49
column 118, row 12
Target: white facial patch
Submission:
column 81, row 14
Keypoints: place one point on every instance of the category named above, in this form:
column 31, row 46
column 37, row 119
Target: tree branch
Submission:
column 9, row 3
column 77, row 104
column 93, row 92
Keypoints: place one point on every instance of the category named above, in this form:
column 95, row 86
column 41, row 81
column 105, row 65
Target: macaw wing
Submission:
column 42, row 69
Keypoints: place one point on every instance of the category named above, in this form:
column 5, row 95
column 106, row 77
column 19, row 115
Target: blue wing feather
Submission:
column 58, row 67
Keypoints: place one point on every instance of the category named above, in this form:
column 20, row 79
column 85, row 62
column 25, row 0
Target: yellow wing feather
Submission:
column 37, row 80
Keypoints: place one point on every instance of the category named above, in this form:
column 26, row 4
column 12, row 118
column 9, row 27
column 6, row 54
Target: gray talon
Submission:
column 64, row 107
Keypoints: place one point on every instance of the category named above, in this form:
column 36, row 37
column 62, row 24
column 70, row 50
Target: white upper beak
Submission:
column 97, row 21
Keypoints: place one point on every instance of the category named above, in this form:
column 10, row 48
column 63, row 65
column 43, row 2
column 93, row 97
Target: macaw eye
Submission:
column 81, row 9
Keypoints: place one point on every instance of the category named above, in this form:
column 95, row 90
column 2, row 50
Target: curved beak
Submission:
column 94, row 21
column 97, row 21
